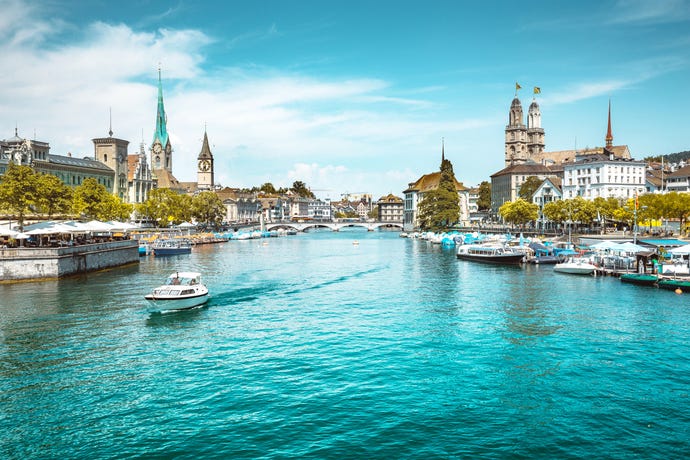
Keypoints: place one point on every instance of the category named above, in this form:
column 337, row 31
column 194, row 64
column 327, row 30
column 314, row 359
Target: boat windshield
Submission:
column 182, row 281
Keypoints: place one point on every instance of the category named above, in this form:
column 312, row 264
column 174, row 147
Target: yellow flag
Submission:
column 537, row 90
column 517, row 86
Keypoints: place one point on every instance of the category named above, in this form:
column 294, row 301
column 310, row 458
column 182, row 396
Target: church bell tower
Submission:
column 205, row 166
column 161, row 149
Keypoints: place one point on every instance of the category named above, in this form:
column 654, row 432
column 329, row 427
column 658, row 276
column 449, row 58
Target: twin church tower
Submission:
column 523, row 143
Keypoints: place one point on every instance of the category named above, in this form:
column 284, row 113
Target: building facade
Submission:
column 391, row 209
column 679, row 180
column 506, row 183
column 112, row 152
column 70, row 170
column 605, row 176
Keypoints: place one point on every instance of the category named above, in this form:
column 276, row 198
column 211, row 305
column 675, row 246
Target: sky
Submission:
column 347, row 96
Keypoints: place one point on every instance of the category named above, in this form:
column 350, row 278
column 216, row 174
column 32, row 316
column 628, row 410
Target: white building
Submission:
column 679, row 180
column 548, row 191
column 320, row 209
column 605, row 176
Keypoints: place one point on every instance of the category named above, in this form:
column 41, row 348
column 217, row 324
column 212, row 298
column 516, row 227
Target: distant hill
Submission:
column 676, row 157
column 671, row 157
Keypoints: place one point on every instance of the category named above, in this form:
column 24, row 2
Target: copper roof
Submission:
column 430, row 182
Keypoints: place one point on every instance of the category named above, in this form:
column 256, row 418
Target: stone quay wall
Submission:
column 18, row 264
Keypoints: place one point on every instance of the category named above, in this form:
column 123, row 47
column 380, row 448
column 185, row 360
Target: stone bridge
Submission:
column 335, row 226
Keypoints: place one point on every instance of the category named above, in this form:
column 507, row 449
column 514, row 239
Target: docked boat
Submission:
column 171, row 247
column 181, row 291
column 144, row 248
column 641, row 279
column 674, row 284
column 490, row 254
column 575, row 266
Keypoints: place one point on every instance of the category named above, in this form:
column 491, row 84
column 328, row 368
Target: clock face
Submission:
column 157, row 147
column 204, row 165
column 168, row 149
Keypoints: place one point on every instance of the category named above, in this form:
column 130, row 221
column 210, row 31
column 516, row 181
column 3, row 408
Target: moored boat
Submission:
column 642, row 279
column 575, row 266
column 171, row 247
column 490, row 254
column 181, row 291
column 675, row 283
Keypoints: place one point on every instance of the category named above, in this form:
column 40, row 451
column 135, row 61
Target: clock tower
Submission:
column 161, row 149
column 205, row 166
column 113, row 153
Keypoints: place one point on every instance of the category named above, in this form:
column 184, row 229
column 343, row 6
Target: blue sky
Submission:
column 347, row 96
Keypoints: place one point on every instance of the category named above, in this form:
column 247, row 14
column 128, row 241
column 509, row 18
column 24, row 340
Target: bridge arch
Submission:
column 334, row 226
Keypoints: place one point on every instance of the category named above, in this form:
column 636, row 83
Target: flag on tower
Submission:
column 517, row 86
column 537, row 90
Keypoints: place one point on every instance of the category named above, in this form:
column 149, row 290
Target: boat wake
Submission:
column 337, row 280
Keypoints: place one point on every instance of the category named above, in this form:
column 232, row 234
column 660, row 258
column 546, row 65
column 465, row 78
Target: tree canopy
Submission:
column 519, row 212
column 484, row 198
column 439, row 208
column 19, row 191
column 528, row 187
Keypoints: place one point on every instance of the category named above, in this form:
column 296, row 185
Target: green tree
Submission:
column 678, row 206
column 484, row 198
column 519, row 212
column 19, row 191
column 528, row 187
column 556, row 211
column 439, row 208
column 161, row 207
column 112, row 208
column 90, row 199
column 301, row 189
column 605, row 208
column 267, row 188
column 53, row 196
column 208, row 208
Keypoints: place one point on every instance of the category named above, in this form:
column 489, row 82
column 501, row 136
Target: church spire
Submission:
column 609, row 134
column 443, row 150
column 161, row 133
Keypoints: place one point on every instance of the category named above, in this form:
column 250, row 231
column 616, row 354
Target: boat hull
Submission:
column 498, row 259
column 161, row 304
column 639, row 279
column 575, row 269
column 171, row 251
column 672, row 284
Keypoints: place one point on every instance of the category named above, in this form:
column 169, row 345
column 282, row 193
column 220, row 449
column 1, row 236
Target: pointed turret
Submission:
column 609, row 134
column 161, row 149
column 205, row 165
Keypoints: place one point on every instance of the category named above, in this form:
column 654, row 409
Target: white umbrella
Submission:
column 5, row 231
column 98, row 226
column 681, row 250
column 607, row 244
column 21, row 236
column 632, row 247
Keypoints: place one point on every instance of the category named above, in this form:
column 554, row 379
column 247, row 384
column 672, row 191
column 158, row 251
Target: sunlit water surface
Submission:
column 312, row 346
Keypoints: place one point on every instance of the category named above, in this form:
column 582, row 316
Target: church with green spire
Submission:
column 161, row 148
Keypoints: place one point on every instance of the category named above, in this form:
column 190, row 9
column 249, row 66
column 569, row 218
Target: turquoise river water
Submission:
column 311, row 346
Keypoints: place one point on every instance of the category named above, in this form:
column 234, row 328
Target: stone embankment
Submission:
column 17, row 264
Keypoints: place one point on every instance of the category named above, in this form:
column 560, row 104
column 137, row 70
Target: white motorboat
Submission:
column 181, row 291
column 575, row 266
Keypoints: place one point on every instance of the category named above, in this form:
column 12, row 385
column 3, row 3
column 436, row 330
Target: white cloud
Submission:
column 264, row 125
column 654, row 12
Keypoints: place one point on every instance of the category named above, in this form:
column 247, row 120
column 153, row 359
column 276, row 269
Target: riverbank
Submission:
column 43, row 263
